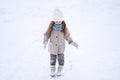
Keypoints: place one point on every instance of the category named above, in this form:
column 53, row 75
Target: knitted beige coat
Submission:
column 57, row 39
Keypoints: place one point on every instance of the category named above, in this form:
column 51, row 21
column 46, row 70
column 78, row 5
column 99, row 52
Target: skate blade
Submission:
column 59, row 75
column 52, row 76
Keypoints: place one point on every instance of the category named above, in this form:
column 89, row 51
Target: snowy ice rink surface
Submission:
column 94, row 24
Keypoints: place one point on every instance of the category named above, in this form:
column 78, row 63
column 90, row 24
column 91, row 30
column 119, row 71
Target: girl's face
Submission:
column 58, row 22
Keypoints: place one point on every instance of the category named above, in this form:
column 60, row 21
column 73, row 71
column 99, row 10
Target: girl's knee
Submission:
column 61, row 59
column 52, row 59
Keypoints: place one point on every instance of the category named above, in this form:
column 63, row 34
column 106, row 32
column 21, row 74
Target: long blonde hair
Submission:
column 49, row 30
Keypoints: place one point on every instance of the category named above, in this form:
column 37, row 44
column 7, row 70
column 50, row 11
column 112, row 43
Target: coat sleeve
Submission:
column 67, row 37
column 48, row 32
column 46, row 37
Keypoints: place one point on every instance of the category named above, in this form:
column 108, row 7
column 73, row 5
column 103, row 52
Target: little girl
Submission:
column 57, row 32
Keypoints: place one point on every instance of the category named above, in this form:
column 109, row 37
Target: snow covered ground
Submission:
column 94, row 24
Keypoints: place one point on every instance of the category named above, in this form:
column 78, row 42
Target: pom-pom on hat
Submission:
column 57, row 15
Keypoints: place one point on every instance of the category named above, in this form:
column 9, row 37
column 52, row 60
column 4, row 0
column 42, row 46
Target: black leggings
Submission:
column 60, row 58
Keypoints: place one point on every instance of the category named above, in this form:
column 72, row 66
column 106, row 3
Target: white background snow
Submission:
column 93, row 24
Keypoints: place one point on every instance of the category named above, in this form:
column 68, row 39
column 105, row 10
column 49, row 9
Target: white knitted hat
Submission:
column 57, row 15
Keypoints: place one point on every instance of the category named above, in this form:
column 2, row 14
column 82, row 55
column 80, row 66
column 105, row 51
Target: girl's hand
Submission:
column 75, row 44
column 44, row 43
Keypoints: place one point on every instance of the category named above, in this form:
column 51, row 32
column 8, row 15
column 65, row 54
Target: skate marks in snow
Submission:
column 5, row 16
